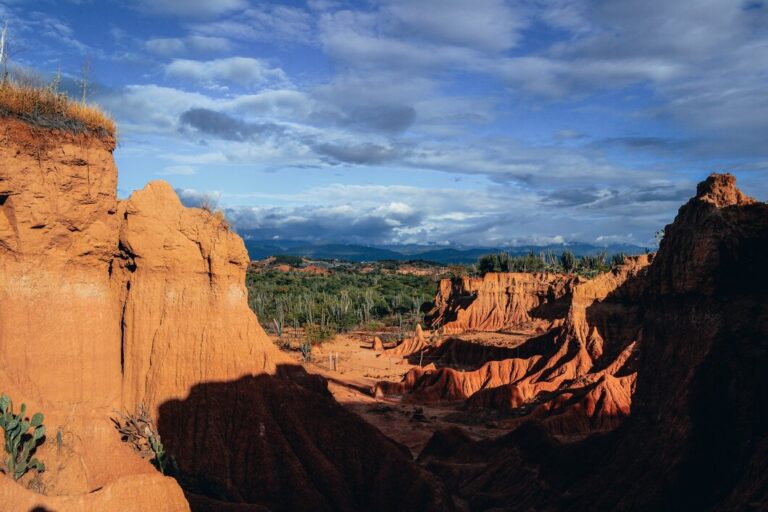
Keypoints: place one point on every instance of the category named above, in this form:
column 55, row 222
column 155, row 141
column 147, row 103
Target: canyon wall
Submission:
column 106, row 305
column 697, row 437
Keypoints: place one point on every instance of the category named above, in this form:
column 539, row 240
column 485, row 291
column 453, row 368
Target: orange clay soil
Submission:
column 410, row 423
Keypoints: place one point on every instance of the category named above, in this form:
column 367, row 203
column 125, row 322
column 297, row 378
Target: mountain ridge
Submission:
column 260, row 249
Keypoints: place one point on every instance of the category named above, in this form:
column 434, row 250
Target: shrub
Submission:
column 139, row 432
column 20, row 441
column 618, row 259
column 316, row 334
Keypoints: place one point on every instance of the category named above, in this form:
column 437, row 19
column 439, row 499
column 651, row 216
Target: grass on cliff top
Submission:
column 46, row 107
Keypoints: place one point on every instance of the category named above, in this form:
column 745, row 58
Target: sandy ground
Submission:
column 410, row 424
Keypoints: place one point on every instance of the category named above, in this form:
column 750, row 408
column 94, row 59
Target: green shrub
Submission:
column 316, row 334
column 618, row 259
column 20, row 441
column 286, row 259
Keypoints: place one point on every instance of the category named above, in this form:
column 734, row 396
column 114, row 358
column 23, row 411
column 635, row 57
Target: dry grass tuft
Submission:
column 45, row 106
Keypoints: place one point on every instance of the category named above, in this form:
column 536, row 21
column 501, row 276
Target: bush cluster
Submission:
column 567, row 262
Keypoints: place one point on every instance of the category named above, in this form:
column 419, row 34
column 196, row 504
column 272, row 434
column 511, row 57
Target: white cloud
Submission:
column 265, row 23
column 489, row 25
column 242, row 71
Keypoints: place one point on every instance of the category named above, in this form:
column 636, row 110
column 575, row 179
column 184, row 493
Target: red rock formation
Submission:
column 410, row 345
column 697, row 438
column 499, row 301
column 105, row 305
column 181, row 276
column 580, row 369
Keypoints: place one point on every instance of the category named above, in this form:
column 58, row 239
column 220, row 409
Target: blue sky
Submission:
column 480, row 122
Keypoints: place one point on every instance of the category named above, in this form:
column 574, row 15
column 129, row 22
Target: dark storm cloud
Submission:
column 345, row 224
column 363, row 154
column 391, row 119
column 225, row 127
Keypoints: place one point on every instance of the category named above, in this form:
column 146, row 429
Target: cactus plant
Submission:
column 306, row 351
column 161, row 458
column 20, row 441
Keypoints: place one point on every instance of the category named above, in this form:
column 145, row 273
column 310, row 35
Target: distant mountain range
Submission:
column 260, row 249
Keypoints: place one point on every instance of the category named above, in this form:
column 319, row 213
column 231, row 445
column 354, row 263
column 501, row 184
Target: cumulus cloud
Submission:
column 322, row 223
column 242, row 71
column 492, row 25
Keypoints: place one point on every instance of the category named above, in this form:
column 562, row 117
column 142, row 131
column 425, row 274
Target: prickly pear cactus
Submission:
column 22, row 436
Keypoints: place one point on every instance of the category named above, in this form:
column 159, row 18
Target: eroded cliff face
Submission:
column 698, row 432
column 185, row 318
column 578, row 376
column 499, row 301
column 106, row 305
column 58, row 233
column 60, row 320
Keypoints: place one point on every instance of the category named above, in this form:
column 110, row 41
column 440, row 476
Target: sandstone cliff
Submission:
column 106, row 305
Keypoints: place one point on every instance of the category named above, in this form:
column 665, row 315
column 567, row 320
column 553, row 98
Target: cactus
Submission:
column 161, row 458
column 567, row 261
column 20, row 442
column 306, row 351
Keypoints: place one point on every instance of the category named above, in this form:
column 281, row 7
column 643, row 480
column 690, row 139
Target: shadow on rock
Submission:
column 283, row 443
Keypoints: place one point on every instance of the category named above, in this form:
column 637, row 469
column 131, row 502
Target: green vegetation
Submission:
column 22, row 437
column 160, row 460
column 567, row 262
column 284, row 259
column 335, row 296
column 323, row 305
column 306, row 351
